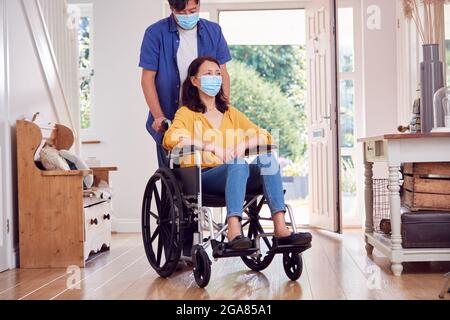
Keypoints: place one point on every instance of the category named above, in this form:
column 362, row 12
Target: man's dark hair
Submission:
column 191, row 96
column 179, row 5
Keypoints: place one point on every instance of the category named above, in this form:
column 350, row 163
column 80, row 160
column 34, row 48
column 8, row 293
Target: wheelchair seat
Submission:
column 218, row 201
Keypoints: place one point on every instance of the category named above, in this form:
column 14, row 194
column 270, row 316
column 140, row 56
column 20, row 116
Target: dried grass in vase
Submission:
column 428, row 16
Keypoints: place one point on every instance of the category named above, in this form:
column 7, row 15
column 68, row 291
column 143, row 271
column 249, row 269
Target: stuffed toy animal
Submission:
column 51, row 159
column 80, row 165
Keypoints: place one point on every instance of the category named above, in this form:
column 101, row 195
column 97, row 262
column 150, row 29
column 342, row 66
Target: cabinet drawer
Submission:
column 97, row 227
column 94, row 215
column 375, row 150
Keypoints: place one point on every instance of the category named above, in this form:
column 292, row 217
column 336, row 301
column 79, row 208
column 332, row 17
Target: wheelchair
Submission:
column 178, row 224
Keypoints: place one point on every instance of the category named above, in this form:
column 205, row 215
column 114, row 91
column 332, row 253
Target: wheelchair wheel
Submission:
column 162, row 211
column 293, row 265
column 265, row 258
column 202, row 266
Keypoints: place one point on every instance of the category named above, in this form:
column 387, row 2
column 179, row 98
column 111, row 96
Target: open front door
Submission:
column 323, row 119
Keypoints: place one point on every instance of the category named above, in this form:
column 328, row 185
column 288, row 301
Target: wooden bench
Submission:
column 58, row 227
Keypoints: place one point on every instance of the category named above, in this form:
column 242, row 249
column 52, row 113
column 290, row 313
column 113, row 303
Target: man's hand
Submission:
column 157, row 124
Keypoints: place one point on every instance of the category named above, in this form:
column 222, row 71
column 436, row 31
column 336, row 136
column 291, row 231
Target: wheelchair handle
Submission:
column 166, row 125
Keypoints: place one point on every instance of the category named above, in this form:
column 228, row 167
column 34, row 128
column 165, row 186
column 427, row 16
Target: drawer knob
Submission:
column 107, row 217
column 94, row 221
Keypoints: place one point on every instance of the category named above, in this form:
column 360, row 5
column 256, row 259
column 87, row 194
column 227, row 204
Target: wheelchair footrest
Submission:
column 219, row 250
column 290, row 248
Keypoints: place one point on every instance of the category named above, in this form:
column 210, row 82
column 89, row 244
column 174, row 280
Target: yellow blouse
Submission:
column 234, row 129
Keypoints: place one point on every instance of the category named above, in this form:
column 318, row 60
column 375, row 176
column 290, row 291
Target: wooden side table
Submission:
column 396, row 149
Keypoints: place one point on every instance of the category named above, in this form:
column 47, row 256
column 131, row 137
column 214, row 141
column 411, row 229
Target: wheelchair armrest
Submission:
column 178, row 153
column 191, row 150
column 259, row 150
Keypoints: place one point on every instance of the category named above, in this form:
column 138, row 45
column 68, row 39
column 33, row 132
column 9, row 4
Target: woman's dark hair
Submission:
column 179, row 5
column 191, row 96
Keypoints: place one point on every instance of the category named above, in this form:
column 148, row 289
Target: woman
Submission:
column 223, row 134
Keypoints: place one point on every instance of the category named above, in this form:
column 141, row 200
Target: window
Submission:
column 350, row 104
column 347, row 95
column 264, row 27
column 346, row 40
column 85, row 63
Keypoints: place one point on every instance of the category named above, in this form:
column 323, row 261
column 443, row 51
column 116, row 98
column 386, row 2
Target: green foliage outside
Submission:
column 84, row 40
column 269, row 86
column 348, row 179
column 265, row 104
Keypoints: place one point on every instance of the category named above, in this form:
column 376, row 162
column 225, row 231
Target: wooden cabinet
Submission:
column 58, row 225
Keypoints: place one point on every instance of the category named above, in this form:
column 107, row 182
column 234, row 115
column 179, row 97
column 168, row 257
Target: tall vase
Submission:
column 432, row 79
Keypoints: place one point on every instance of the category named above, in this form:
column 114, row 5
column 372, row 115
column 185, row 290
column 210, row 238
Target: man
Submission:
column 168, row 48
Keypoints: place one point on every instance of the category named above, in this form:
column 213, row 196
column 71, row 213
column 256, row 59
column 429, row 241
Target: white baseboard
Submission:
column 126, row 225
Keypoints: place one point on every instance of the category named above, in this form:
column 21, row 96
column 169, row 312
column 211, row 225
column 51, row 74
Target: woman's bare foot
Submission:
column 280, row 227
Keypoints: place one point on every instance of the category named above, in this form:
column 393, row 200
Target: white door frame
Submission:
column 356, row 77
column 6, row 250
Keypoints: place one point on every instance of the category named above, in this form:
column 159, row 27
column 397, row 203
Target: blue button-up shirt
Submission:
column 159, row 53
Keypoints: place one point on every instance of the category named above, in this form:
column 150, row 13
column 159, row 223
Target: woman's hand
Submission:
column 239, row 151
column 185, row 142
column 229, row 154
column 224, row 154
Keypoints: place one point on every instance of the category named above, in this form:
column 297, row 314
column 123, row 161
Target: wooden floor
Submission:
column 335, row 268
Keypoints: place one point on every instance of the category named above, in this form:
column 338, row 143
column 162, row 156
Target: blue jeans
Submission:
column 237, row 178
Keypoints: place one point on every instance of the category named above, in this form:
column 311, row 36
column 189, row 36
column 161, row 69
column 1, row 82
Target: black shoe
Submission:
column 300, row 238
column 239, row 243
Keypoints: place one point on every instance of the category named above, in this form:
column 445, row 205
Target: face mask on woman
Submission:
column 211, row 85
column 188, row 21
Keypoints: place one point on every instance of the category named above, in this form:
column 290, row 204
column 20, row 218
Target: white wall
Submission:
column 380, row 70
column 380, row 73
column 27, row 93
column 120, row 111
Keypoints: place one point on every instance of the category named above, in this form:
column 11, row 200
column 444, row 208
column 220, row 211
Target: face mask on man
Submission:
column 188, row 21
column 211, row 85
